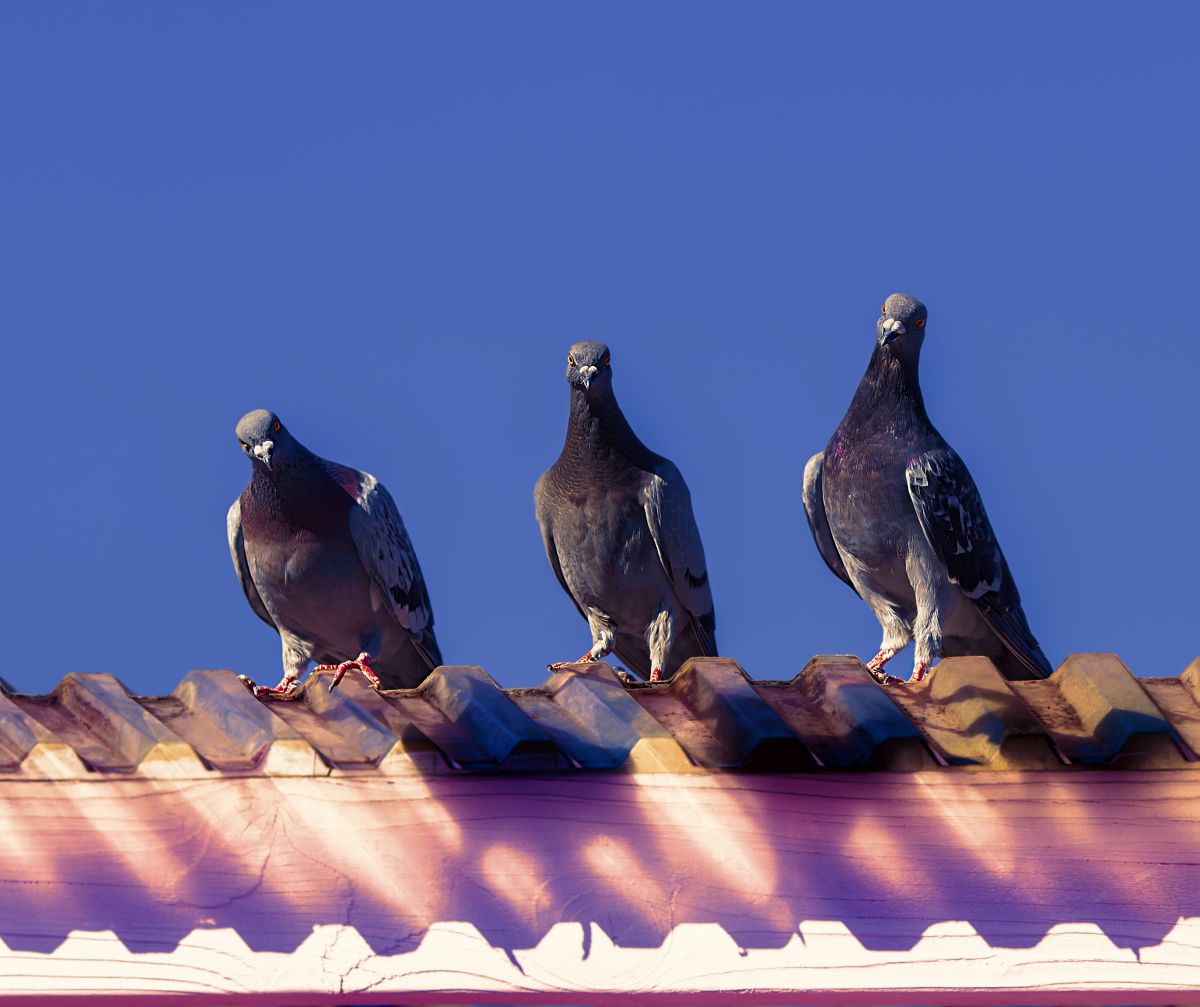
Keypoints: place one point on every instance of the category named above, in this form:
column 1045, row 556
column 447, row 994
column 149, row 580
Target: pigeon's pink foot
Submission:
column 875, row 667
column 286, row 689
column 588, row 658
column 920, row 670
column 361, row 663
column 656, row 674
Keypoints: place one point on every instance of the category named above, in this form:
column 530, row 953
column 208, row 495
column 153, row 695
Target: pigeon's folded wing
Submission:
column 818, row 521
column 951, row 514
column 387, row 552
column 668, row 506
column 237, row 551
column 544, row 522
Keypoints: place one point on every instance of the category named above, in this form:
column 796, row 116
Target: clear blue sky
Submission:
column 388, row 222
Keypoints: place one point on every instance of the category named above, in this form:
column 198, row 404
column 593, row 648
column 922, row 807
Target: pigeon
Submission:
column 323, row 558
column 620, row 535
column 897, row 516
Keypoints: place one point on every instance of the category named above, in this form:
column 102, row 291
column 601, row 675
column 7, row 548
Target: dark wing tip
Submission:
column 1012, row 629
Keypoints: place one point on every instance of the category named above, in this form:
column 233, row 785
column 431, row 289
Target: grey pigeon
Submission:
column 620, row 535
column 323, row 557
column 896, row 515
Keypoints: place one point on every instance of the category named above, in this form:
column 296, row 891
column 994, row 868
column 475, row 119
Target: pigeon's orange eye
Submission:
column 571, row 359
column 606, row 361
column 245, row 446
column 275, row 426
column 920, row 323
column 883, row 308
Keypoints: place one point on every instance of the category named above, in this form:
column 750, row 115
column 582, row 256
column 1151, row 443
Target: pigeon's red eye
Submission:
column 275, row 426
column 245, row 446
column 883, row 308
column 606, row 361
column 920, row 323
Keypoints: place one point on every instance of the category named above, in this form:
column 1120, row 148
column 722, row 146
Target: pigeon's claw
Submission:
column 361, row 663
column 286, row 689
column 883, row 678
column 562, row 665
column 920, row 671
column 875, row 667
column 588, row 658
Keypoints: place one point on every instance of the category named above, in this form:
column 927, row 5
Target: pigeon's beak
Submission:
column 892, row 329
column 586, row 374
column 262, row 452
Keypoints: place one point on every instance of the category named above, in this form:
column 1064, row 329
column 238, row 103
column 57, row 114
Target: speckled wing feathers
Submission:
column 387, row 553
column 952, row 516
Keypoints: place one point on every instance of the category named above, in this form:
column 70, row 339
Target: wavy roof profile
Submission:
column 711, row 717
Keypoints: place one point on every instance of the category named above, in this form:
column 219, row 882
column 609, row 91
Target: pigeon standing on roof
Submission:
column 620, row 535
column 323, row 558
column 896, row 515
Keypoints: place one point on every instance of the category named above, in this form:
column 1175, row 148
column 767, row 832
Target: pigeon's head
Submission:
column 589, row 367
column 264, row 439
column 901, row 324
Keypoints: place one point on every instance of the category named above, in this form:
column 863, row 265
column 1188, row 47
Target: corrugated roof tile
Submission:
column 1094, row 710
column 1179, row 700
column 108, row 730
column 337, row 724
column 474, row 723
column 846, row 719
column 229, row 729
column 971, row 717
column 718, row 694
column 712, row 716
column 28, row 747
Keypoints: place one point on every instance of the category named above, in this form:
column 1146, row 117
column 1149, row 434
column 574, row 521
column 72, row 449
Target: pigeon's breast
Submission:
column 866, row 501
column 607, row 553
column 316, row 590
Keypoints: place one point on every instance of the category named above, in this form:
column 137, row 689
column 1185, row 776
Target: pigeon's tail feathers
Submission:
column 1025, row 657
column 705, row 629
column 818, row 521
column 427, row 648
column 634, row 654
column 1013, row 668
column 695, row 638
